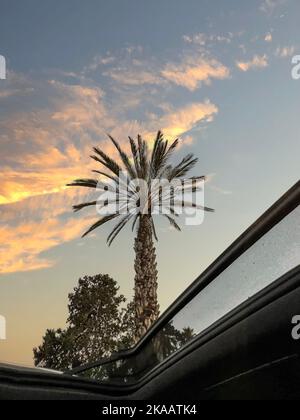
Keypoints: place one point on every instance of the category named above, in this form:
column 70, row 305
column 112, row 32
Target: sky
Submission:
column 215, row 74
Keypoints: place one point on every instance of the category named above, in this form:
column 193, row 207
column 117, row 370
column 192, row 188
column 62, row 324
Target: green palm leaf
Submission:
column 78, row 207
column 145, row 167
column 172, row 222
column 89, row 183
column 153, row 229
column 135, row 156
column 117, row 229
column 106, row 161
column 137, row 216
column 124, row 158
column 100, row 223
column 187, row 163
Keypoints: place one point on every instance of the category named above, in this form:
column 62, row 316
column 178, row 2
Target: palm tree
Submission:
column 145, row 166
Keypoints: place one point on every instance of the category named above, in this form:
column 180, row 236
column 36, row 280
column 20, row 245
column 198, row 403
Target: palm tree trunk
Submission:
column 145, row 289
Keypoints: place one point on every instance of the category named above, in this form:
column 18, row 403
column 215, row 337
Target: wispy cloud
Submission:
column 202, row 39
column 192, row 69
column 195, row 71
column 42, row 149
column 178, row 122
column 45, row 144
column 284, row 52
column 15, row 84
column 269, row 6
column 22, row 244
column 257, row 62
column 134, row 76
column 269, row 37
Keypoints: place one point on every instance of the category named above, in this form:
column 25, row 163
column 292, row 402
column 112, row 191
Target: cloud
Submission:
column 284, row 52
column 193, row 69
column 22, row 244
column 41, row 150
column 15, row 85
column 269, row 6
column 178, row 122
column 46, row 138
column 187, row 140
column 99, row 61
column 34, row 225
column 41, row 207
column 258, row 62
column 203, row 39
column 134, row 77
column 193, row 72
column 269, row 37
column 220, row 190
column 6, row 93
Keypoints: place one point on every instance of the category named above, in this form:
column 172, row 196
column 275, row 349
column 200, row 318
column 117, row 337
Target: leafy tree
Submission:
column 145, row 166
column 99, row 324
column 57, row 351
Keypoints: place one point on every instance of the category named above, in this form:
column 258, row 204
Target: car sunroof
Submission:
column 274, row 252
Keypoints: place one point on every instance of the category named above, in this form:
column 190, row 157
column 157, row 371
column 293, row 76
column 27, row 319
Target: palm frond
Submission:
column 172, row 211
column 153, row 229
column 193, row 205
column 158, row 139
column 135, row 220
column 146, row 167
column 100, row 223
column 89, row 183
column 167, row 154
column 117, row 229
column 187, row 163
column 102, row 162
column 107, row 161
column 79, row 207
column 172, row 222
column 124, row 158
column 165, row 173
column 143, row 157
column 135, row 156
column 158, row 154
column 104, row 174
column 173, row 147
column 190, row 185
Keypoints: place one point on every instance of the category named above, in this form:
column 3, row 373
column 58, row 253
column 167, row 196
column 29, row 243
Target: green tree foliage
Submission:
column 99, row 324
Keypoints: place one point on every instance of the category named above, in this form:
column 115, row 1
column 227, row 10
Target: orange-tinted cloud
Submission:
column 134, row 77
column 193, row 72
column 22, row 245
column 43, row 149
column 177, row 122
column 257, row 62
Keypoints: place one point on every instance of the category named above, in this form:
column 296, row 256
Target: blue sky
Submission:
column 217, row 74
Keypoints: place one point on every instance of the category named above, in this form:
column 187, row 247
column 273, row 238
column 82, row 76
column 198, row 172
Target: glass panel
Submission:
column 266, row 261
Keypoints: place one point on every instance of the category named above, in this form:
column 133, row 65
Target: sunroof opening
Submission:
column 272, row 256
